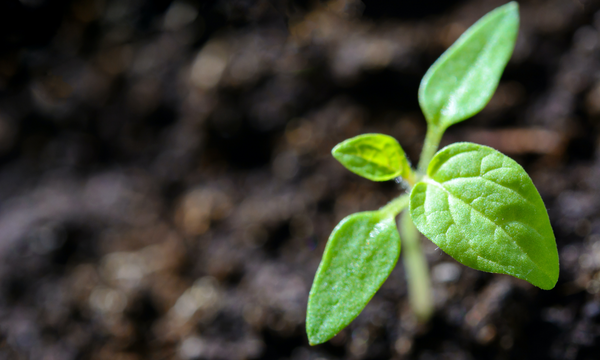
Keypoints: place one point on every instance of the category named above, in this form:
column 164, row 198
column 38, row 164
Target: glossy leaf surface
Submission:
column 481, row 208
column 376, row 157
column 462, row 81
column 360, row 254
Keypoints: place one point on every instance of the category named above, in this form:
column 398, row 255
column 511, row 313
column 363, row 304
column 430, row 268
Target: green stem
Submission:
column 432, row 141
column 415, row 263
column 395, row 206
column 417, row 271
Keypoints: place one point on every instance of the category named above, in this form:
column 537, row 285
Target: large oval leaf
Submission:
column 376, row 157
column 462, row 81
column 360, row 254
column 481, row 208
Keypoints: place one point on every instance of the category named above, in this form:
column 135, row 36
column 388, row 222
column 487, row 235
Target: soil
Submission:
column 167, row 188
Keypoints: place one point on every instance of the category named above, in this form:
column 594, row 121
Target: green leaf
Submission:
column 376, row 157
column 360, row 254
column 462, row 81
column 481, row 208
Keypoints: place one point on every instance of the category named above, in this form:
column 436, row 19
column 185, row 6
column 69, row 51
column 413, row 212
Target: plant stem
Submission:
column 417, row 272
column 415, row 263
column 432, row 141
column 395, row 206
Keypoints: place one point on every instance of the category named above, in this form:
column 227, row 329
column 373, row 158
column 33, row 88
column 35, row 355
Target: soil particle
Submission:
column 167, row 188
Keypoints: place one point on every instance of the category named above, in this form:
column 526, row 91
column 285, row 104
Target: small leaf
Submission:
column 360, row 254
column 481, row 208
column 462, row 81
column 376, row 157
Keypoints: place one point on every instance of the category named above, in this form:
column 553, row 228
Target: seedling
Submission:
column 473, row 202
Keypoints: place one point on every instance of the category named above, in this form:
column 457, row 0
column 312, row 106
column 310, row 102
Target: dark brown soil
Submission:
column 167, row 188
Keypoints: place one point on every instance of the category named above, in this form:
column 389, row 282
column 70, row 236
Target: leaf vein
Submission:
column 493, row 182
column 448, row 193
column 468, row 241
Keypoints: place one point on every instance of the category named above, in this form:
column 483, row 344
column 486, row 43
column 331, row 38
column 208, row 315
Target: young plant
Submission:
column 473, row 202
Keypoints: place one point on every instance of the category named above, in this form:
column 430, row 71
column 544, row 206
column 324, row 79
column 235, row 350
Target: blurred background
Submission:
column 167, row 188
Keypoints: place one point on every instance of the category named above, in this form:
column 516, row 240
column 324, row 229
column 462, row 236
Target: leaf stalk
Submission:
column 430, row 146
column 394, row 207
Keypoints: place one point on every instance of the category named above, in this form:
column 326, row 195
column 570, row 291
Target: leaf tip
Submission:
column 510, row 9
column 550, row 281
column 338, row 154
column 546, row 285
column 313, row 342
column 315, row 336
column 512, row 6
column 335, row 150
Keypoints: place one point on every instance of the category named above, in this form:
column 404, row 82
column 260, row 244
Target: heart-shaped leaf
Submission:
column 462, row 81
column 481, row 208
column 376, row 157
column 360, row 254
